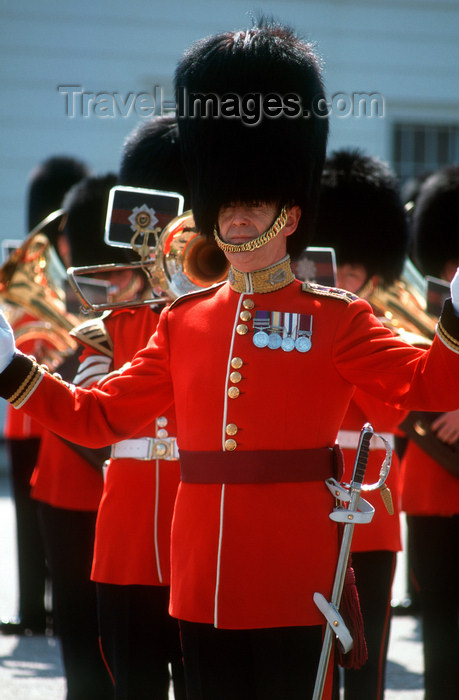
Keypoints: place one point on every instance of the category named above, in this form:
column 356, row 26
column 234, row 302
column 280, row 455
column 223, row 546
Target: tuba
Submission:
column 403, row 307
column 32, row 283
column 182, row 261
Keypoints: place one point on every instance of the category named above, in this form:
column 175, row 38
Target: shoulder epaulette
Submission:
column 93, row 333
column 198, row 293
column 332, row 292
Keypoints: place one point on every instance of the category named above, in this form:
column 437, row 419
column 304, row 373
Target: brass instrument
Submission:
column 182, row 261
column 32, row 282
column 403, row 307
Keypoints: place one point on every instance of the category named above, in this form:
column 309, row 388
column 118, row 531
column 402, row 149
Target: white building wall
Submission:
column 407, row 51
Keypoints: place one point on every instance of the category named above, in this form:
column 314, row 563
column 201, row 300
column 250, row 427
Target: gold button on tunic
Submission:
column 236, row 363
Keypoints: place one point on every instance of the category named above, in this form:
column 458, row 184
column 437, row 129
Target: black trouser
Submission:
column 69, row 542
column 435, row 542
column 374, row 573
column 139, row 641
column 32, row 571
column 259, row 664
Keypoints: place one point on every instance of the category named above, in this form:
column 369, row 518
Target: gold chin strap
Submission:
column 256, row 242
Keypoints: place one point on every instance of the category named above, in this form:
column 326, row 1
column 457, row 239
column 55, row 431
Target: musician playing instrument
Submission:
column 430, row 493
column 261, row 370
column 67, row 482
column 131, row 563
column 47, row 184
column 361, row 215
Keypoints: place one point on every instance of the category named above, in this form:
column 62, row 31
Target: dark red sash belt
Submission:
column 261, row 467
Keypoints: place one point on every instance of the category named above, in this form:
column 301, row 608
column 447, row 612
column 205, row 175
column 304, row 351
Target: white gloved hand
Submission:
column 455, row 292
column 7, row 344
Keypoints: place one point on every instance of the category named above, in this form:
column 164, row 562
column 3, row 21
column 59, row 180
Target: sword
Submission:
column 357, row 511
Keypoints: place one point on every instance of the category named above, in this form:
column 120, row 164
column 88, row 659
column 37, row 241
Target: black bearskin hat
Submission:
column 253, row 145
column 151, row 158
column 361, row 214
column 85, row 208
column 436, row 221
column 48, row 184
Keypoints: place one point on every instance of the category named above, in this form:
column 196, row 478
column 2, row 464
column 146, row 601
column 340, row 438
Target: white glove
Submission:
column 455, row 292
column 7, row 345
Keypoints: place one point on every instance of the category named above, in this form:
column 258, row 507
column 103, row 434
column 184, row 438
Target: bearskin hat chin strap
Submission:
column 255, row 243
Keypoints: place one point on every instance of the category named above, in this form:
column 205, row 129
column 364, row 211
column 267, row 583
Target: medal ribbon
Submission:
column 261, row 320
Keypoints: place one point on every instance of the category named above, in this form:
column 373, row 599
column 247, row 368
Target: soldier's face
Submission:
column 351, row 277
column 240, row 222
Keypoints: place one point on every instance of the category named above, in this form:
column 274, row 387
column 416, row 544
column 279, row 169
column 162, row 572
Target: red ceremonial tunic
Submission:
column 132, row 542
column 383, row 532
column 427, row 488
column 20, row 426
column 63, row 479
column 252, row 555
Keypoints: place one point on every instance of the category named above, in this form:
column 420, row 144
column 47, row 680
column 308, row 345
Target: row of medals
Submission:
column 270, row 331
column 275, row 340
column 274, row 335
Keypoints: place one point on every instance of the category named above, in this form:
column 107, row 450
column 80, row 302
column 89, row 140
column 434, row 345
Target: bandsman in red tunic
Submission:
column 67, row 480
column 48, row 183
column 430, row 491
column 359, row 196
column 131, row 565
column 261, row 370
column 22, row 439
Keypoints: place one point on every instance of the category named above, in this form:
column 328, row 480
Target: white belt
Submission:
column 146, row 448
column 349, row 440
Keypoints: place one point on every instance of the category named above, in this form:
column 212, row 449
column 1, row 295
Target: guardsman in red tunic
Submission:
column 131, row 565
column 47, row 184
column 261, row 370
column 430, row 493
column 67, row 481
column 22, row 439
column 359, row 195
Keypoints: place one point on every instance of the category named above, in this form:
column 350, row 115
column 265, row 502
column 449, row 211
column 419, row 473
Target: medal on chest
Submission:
column 261, row 325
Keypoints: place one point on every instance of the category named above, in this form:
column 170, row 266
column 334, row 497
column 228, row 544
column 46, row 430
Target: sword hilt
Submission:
column 363, row 452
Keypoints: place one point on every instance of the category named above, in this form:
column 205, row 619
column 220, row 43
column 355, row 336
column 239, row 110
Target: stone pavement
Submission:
column 31, row 669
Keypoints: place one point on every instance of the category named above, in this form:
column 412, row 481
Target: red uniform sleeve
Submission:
column 126, row 404
column 193, row 338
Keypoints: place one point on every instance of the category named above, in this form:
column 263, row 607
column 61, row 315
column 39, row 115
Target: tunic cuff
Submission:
column 448, row 327
column 20, row 379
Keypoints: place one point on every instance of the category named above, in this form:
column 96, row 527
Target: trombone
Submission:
column 182, row 261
